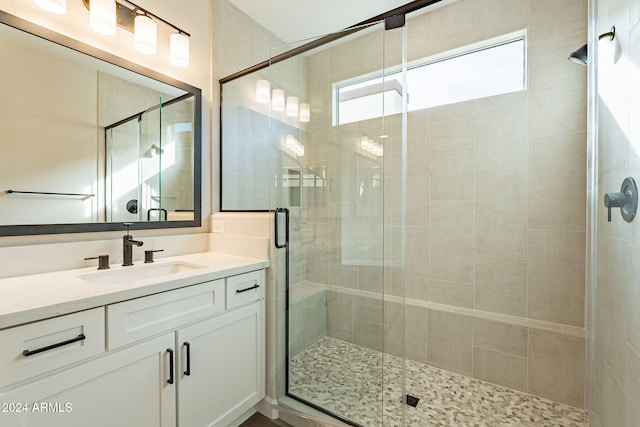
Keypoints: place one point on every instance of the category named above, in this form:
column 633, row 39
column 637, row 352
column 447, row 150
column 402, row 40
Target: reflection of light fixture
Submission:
column 277, row 100
column 179, row 49
column 371, row 147
column 292, row 106
column 263, row 91
column 293, row 146
column 59, row 7
column 305, row 112
column 580, row 56
column 102, row 16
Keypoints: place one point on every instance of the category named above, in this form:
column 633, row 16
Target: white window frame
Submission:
column 443, row 56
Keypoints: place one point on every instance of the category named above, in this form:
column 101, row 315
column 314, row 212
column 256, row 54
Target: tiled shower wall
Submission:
column 495, row 218
column 615, row 384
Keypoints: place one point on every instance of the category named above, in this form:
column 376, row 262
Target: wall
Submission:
column 615, row 385
column 54, row 156
column 495, row 216
column 194, row 17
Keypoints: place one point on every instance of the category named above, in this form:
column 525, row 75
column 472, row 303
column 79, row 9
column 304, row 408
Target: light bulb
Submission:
column 59, row 7
column 179, row 49
column 102, row 16
column 277, row 100
column 263, row 91
column 305, row 112
column 292, row 106
column 145, row 35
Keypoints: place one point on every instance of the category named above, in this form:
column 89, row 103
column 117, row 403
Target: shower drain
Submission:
column 411, row 400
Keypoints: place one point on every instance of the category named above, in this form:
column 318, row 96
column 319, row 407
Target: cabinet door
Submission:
column 226, row 367
column 124, row 388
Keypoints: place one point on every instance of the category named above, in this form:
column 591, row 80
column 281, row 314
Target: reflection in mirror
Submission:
column 87, row 143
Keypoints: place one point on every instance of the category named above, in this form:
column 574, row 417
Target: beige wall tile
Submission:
column 557, row 367
column 394, row 328
column 556, row 246
column 550, row 73
column 501, row 206
column 500, row 336
column 452, row 242
column 501, row 285
column 500, row 368
column 632, row 389
column 418, row 189
column 549, row 19
column 451, row 293
column 556, row 293
column 453, row 111
column 501, row 125
column 417, row 263
column 452, row 175
column 453, row 26
column 498, row 17
column 368, row 335
column 340, row 315
column 450, row 135
column 368, row 309
column 557, row 170
column 416, row 333
column 613, row 408
column 449, row 341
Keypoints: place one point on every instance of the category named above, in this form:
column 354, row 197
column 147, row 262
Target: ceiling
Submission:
column 294, row 20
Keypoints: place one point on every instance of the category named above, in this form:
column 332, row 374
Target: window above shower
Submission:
column 492, row 67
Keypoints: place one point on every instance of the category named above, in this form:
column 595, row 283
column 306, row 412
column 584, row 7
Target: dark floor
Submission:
column 259, row 420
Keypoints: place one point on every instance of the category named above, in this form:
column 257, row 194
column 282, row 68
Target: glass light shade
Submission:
column 102, row 16
column 277, row 100
column 263, row 91
column 145, row 35
column 179, row 50
column 58, row 7
column 305, row 112
column 292, row 106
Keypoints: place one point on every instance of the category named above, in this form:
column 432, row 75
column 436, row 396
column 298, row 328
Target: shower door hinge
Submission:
column 395, row 21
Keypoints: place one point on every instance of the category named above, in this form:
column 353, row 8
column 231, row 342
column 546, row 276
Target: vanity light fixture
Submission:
column 263, row 91
column 59, row 7
column 179, row 49
column 104, row 15
column 145, row 34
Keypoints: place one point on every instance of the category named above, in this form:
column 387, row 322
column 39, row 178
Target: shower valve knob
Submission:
column 626, row 200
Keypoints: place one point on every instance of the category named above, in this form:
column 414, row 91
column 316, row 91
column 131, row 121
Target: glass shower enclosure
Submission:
column 423, row 273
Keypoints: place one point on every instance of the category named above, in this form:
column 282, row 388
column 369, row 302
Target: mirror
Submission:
column 90, row 141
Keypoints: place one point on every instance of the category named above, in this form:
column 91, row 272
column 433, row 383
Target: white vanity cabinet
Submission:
column 223, row 375
column 193, row 356
column 123, row 388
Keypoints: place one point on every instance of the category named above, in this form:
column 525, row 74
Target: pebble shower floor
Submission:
column 346, row 379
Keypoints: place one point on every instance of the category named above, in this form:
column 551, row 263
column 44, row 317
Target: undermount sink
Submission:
column 143, row 272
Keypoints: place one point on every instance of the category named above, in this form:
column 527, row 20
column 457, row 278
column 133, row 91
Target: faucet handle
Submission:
column 103, row 261
column 148, row 255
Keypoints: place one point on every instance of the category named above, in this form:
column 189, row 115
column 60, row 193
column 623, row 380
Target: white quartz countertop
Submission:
column 28, row 298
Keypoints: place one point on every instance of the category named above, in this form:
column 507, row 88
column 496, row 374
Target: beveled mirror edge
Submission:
column 52, row 36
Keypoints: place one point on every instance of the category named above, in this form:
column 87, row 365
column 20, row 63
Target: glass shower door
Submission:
column 330, row 137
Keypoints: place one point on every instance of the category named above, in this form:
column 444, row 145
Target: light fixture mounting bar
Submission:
column 125, row 16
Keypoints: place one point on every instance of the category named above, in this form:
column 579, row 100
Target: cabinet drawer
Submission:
column 39, row 347
column 245, row 288
column 136, row 319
